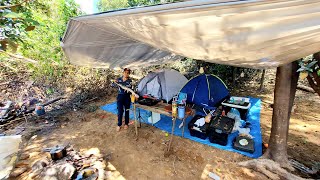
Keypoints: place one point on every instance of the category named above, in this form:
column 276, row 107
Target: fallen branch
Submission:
column 90, row 100
column 6, row 124
column 305, row 88
column 29, row 110
column 45, row 104
column 19, row 57
column 14, row 69
column 269, row 168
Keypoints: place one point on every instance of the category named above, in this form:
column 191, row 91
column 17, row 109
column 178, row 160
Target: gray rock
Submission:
column 39, row 165
column 66, row 171
column 18, row 171
column 24, row 156
column 58, row 172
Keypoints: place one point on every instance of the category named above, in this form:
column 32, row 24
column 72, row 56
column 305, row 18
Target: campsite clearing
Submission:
column 144, row 159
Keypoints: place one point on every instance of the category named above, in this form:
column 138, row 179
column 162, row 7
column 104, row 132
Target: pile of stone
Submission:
column 75, row 165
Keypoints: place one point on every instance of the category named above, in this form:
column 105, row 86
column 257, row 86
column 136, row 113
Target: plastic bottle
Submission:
column 174, row 109
column 242, row 101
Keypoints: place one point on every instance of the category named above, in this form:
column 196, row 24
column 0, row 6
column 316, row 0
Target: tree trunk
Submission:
column 234, row 71
column 285, row 88
column 262, row 79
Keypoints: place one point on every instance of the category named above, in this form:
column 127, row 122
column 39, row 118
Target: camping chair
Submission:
column 211, row 111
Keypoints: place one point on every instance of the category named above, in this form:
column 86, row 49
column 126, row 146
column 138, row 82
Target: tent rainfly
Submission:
column 247, row 33
column 163, row 84
column 205, row 90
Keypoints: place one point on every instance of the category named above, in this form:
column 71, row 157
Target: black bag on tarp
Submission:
column 148, row 101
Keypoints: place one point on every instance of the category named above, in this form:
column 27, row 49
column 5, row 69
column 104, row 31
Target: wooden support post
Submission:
column 262, row 79
column 184, row 122
column 172, row 133
column 136, row 120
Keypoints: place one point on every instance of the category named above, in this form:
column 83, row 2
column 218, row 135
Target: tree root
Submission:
column 269, row 168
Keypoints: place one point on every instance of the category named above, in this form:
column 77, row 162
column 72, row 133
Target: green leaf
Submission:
column 13, row 15
column 318, row 72
column 49, row 91
column 35, row 23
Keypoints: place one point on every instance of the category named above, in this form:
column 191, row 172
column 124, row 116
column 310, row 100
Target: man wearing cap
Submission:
column 123, row 98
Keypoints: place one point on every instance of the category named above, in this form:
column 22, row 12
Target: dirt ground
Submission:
column 144, row 158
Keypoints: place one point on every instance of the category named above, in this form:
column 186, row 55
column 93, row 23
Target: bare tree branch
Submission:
column 313, row 85
column 20, row 57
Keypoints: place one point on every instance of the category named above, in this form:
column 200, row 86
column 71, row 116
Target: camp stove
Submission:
column 244, row 143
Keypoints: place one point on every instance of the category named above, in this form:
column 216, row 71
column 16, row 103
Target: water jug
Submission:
column 181, row 111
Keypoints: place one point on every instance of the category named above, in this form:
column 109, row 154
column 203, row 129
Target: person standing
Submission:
column 123, row 98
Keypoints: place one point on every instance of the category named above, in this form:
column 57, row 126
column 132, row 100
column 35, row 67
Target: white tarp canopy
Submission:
column 247, row 33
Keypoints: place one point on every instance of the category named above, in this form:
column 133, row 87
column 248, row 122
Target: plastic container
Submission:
column 220, row 128
column 181, row 111
column 154, row 118
column 218, row 137
column 200, row 134
column 39, row 110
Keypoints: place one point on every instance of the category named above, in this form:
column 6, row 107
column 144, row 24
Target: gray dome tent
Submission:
column 163, row 84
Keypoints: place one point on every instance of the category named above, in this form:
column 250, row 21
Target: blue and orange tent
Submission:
column 205, row 90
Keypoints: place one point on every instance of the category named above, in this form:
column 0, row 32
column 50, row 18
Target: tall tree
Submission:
column 106, row 5
column 276, row 157
column 15, row 20
column 43, row 42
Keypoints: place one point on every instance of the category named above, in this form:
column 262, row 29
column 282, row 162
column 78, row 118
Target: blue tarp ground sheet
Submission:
column 165, row 124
